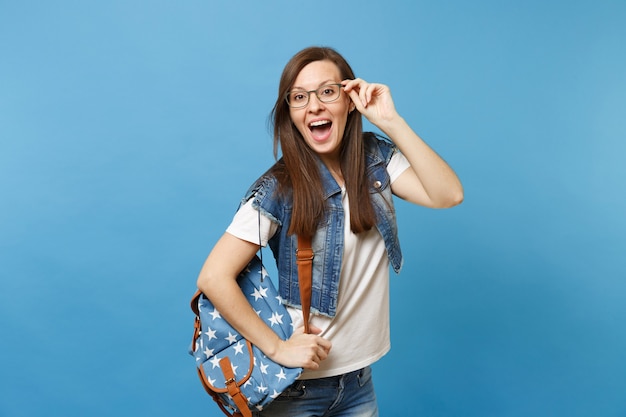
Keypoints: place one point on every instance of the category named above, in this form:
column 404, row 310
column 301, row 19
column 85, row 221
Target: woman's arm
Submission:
column 218, row 281
column 430, row 181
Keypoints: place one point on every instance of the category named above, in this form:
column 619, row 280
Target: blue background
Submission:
column 129, row 131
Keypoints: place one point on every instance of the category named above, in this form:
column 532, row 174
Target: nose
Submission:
column 314, row 103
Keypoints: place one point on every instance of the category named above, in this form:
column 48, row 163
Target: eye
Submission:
column 329, row 90
column 297, row 97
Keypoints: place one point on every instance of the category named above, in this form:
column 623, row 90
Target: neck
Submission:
column 335, row 171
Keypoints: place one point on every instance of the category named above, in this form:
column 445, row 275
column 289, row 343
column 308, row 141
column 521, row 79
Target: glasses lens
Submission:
column 297, row 98
column 328, row 93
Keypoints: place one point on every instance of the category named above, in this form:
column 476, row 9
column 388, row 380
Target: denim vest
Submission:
column 328, row 240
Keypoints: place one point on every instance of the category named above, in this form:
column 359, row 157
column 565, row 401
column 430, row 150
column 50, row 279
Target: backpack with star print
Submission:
column 234, row 372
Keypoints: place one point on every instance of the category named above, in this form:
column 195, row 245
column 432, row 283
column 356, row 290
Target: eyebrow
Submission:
column 329, row 81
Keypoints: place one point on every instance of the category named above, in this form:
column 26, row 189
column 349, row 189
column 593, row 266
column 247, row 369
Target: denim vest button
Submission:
column 377, row 184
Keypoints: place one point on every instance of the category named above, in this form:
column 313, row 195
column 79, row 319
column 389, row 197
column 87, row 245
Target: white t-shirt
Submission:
column 359, row 332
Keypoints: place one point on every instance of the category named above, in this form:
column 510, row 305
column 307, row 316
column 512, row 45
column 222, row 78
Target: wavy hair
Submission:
column 297, row 171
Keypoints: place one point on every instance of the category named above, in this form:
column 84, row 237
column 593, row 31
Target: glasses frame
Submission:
column 308, row 95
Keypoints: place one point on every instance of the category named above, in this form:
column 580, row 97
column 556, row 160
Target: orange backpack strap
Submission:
column 233, row 389
column 304, row 260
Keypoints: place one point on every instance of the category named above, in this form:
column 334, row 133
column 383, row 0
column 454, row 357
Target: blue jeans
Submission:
column 347, row 395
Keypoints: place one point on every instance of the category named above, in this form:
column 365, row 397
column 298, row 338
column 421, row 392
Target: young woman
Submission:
column 333, row 183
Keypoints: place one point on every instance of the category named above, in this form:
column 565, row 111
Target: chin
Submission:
column 324, row 148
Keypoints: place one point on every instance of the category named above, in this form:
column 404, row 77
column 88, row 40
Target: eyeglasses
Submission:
column 326, row 94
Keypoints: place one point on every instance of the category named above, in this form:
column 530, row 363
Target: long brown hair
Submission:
column 297, row 171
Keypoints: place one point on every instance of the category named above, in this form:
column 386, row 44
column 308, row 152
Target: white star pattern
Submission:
column 208, row 352
column 269, row 306
column 263, row 368
column 215, row 314
column 263, row 291
column 259, row 293
column 232, row 338
column 211, row 333
column 264, row 274
column 281, row 374
column 276, row 319
column 215, row 362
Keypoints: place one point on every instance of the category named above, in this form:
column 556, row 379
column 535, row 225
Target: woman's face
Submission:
column 321, row 124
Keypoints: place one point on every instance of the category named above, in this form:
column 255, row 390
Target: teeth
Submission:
column 319, row 123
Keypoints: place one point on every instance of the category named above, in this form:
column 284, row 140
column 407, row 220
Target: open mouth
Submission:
column 320, row 129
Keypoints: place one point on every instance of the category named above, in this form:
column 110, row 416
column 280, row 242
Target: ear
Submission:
column 352, row 107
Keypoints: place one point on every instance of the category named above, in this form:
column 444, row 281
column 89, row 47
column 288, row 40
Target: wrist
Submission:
column 272, row 347
column 392, row 126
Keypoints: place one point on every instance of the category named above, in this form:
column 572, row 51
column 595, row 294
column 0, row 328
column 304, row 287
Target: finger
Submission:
column 324, row 344
column 370, row 92
column 312, row 360
column 363, row 95
column 355, row 93
column 373, row 90
column 314, row 329
column 350, row 85
column 354, row 97
column 322, row 354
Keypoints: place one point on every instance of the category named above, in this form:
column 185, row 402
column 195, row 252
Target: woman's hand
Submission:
column 302, row 350
column 372, row 100
column 430, row 182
